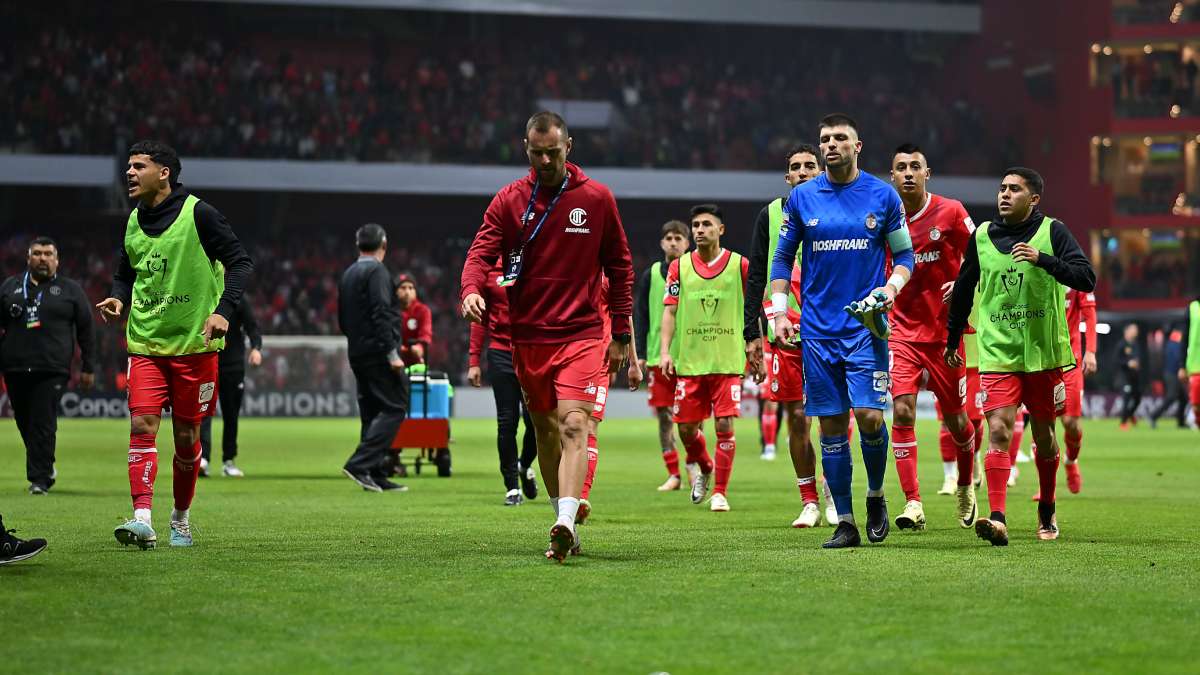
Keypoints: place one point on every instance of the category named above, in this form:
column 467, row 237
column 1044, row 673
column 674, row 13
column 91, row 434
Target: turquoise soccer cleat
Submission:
column 137, row 533
column 181, row 533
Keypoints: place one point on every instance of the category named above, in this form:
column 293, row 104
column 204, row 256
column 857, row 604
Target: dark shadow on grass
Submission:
column 283, row 476
column 68, row 492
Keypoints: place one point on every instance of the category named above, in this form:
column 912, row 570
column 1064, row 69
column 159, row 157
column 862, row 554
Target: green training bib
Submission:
column 708, row 336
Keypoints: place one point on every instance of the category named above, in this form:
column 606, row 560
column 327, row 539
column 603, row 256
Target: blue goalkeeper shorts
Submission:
column 844, row 373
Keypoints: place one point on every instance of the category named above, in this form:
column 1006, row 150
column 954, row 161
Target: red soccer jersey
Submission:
column 940, row 233
column 416, row 327
column 1081, row 308
column 708, row 271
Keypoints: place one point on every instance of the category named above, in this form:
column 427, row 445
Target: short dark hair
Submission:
column 712, row 209
column 544, row 120
column 837, row 119
column 676, row 226
column 803, row 147
column 42, row 241
column 370, row 237
column 161, row 154
column 907, row 149
column 1032, row 178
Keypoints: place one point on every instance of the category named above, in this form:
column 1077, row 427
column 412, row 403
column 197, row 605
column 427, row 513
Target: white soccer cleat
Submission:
column 1023, row 457
column 949, row 483
column 673, row 483
column 718, row 502
column 700, row 487
column 913, row 516
column 809, row 516
column 1012, row 476
column 768, row 453
column 228, row 469
column 693, row 470
column 203, row 468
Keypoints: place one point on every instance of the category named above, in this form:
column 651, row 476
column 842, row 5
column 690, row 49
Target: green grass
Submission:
column 296, row 569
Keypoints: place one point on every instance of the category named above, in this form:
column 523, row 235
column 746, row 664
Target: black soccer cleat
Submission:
column 15, row 550
column 363, row 480
column 513, row 499
column 528, row 482
column 845, row 536
column 386, row 485
column 877, row 519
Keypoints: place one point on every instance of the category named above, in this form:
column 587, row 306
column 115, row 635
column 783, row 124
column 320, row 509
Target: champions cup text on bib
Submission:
column 1022, row 324
column 177, row 288
column 708, row 336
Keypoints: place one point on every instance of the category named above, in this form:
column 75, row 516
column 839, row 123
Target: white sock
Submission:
column 950, row 469
column 142, row 515
column 770, row 449
column 874, row 493
column 179, row 516
column 846, row 518
column 512, row 492
column 567, row 508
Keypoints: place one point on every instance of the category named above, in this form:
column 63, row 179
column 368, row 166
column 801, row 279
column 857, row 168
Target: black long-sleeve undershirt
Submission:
column 1069, row 266
column 216, row 237
column 756, row 280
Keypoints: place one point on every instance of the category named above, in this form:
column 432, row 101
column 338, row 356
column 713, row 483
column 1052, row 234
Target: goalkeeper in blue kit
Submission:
column 841, row 221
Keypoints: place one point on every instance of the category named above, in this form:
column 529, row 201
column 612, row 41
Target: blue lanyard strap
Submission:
column 25, row 290
column 529, row 209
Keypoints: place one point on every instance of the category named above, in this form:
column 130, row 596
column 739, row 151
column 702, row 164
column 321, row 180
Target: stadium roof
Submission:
column 860, row 14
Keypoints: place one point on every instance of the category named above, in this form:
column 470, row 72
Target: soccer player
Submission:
column 507, row 391
column 1081, row 310
column 1131, row 357
column 940, row 229
column 1191, row 366
column 556, row 230
column 705, row 303
column 781, row 369
column 169, row 274
column 416, row 322
column 1019, row 264
column 846, row 220
column 647, row 326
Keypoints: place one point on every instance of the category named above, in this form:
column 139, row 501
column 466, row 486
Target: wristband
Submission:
column 897, row 282
column 779, row 304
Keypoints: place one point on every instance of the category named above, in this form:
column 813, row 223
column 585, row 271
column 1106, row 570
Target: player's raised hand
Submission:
column 1023, row 252
column 215, row 328
column 947, row 291
column 784, row 330
column 754, row 357
column 475, row 376
column 953, row 358
column 110, row 308
column 473, row 307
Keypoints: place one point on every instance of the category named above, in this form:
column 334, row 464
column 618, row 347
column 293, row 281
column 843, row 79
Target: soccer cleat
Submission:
column 181, row 533
column 673, row 483
column 582, row 513
column 949, row 484
column 15, row 550
column 877, row 519
column 386, row 485
column 768, row 453
column 693, row 470
column 718, row 502
column 1023, row 457
column 912, row 517
column 229, row 470
column 1047, row 522
column 1074, row 479
column 203, row 468
column 1013, row 473
column 363, row 480
column 528, row 482
column 809, row 516
column 993, row 531
column 513, row 498
column 137, row 533
column 968, row 508
column 562, row 540
column 700, row 487
column 845, row 536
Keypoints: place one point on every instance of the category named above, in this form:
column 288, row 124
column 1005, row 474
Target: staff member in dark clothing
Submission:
column 1174, row 380
column 43, row 316
column 1130, row 358
column 231, row 375
column 371, row 327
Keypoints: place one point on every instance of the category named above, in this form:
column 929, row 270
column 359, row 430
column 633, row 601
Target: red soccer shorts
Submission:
column 661, row 387
column 974, row 398
column 187, row 385
column 1194, row 389
column 785, row 376
column 1043, row 392
column 564, row 371
column 912, row 360
column 699, row 396
column 599, row 403
column 1073, row 381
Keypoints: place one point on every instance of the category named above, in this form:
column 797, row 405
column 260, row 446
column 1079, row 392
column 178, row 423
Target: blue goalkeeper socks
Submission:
column 874, row 452
column 835, row 462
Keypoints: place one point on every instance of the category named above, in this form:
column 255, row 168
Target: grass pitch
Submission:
column 296, row 569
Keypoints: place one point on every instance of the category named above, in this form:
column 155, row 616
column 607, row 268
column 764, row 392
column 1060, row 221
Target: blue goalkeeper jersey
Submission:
column 844, row 230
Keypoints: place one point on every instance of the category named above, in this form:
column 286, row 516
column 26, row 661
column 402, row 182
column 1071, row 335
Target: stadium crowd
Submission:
column 1155, row 84
column 380, row 87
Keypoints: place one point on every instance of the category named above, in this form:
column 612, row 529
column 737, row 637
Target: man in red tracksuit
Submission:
column 416, row 322
column 556, row 231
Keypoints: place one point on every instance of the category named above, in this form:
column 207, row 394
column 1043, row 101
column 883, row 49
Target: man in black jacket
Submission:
column 371, row 326
column 231, row 375
column 42, row 316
